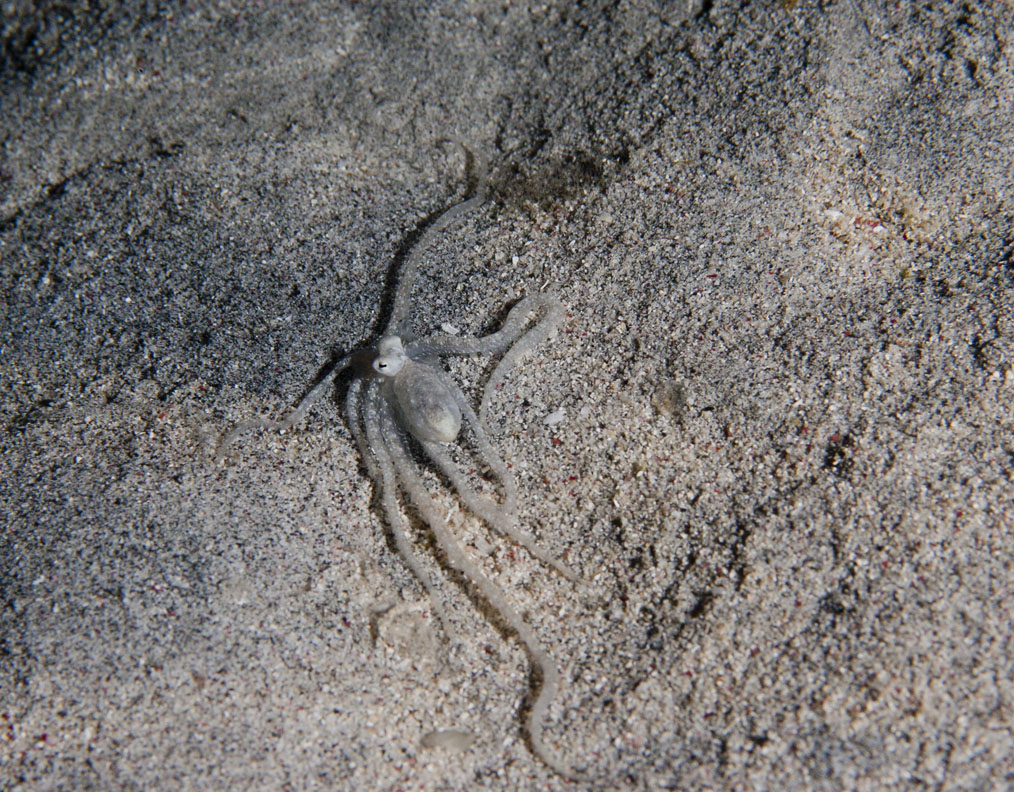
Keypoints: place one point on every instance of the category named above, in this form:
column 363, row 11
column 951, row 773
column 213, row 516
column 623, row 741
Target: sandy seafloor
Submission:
column 783, row 234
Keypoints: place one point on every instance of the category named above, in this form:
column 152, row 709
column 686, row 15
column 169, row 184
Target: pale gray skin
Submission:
column 406, row 391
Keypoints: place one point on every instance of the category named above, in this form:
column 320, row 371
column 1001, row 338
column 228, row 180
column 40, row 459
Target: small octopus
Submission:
column 404, row 392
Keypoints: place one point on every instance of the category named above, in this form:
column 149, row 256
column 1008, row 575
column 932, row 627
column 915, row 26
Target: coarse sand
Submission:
column 775, row 431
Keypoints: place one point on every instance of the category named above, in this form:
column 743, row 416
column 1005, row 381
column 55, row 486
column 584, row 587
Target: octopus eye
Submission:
column 389, row 365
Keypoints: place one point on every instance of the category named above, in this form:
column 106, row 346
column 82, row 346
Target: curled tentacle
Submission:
column 512, row 337
column 497, row 342
column 540, row 332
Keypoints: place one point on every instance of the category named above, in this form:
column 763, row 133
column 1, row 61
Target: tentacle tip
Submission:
column 224, row 446
column 564, row 769
column 229, row 439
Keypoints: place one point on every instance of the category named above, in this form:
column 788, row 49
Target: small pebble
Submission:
column 452, row 739
column 554, row 417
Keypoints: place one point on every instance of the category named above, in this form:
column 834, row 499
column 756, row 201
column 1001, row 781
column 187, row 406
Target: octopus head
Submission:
column 390, row 357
